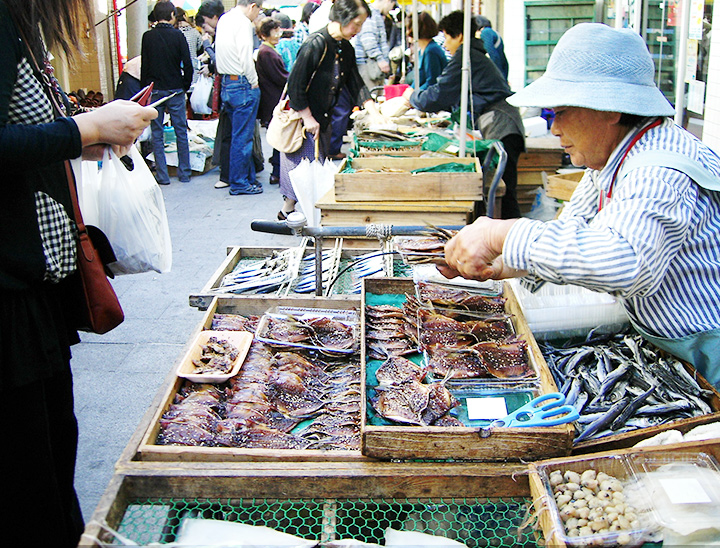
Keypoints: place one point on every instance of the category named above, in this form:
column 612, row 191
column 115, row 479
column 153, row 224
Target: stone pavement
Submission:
column 117, row 375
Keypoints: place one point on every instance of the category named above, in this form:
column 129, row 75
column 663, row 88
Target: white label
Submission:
column 486, row 408
column 685, row 491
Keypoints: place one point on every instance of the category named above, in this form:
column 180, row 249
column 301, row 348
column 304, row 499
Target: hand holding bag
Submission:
column 285, row 132
column 131, row 212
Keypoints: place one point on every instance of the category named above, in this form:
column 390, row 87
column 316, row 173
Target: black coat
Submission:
column 312, row 82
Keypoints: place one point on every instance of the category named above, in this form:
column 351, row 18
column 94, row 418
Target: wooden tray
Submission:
column 202, row 298
column 143, row 447
column 407, row 187
column 432, row 442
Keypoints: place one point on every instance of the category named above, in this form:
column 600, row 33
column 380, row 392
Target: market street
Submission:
column 117, row 375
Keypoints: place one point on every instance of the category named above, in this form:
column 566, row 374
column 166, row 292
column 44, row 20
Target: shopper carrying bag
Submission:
column 285, row 131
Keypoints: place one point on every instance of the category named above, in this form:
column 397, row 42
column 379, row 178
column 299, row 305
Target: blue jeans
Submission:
column 240, row 100
column 178, row 117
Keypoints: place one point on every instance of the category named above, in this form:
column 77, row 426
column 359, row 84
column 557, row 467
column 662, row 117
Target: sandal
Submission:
column 282, row 216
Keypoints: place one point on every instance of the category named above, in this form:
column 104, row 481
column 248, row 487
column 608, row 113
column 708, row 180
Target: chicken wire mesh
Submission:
column 477, row 522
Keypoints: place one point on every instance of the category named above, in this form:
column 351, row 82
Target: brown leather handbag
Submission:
column 102, row 311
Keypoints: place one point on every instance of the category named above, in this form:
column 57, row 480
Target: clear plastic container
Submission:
column 635, row 525
column 347, row 318
column 683, row 489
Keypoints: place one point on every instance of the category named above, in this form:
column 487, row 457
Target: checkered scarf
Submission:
column 30, row 105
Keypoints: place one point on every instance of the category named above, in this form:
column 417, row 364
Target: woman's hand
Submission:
column 96, row 152
column 475, row 253
column 310, row 124
column 117, row 123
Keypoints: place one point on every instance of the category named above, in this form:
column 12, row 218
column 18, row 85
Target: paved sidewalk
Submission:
column 117, row 375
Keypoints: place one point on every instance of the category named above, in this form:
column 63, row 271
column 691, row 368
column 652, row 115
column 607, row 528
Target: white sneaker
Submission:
column 221, row 184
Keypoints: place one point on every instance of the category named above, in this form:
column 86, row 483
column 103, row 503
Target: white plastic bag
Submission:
column 130, row 210
column 201, row 95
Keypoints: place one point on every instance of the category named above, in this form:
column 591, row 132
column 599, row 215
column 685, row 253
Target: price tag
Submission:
column 685, row 491
column 486, row 408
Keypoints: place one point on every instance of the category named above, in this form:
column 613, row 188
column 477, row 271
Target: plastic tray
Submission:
column 346, row 317
column 240, row 339
column 683, row 489
column 615, row 466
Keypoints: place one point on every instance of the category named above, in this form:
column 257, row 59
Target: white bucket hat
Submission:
column 600, row 68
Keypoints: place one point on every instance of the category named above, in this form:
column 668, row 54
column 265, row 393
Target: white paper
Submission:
column 696, row 96
column 685, row 491
column 486, row 408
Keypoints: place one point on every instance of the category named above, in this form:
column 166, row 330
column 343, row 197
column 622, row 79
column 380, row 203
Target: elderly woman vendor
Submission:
column 643, row 223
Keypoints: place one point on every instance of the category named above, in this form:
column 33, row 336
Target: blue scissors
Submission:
column 546, row 410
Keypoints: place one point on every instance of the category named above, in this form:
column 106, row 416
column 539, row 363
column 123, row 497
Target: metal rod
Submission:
column 318, row 266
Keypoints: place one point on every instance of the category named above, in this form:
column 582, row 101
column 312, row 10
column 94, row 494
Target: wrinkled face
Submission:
column 588, row 136
column 452, row 44
column 353, row 27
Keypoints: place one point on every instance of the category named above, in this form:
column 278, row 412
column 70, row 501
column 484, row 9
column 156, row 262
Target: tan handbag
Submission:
column 285, row 131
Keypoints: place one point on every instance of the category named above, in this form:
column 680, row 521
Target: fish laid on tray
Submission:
column 264, row 404
column 452, row 297
column 622, row 383
column 321, row 332
column 388, row 333
column 427, row 248
column 402, row 397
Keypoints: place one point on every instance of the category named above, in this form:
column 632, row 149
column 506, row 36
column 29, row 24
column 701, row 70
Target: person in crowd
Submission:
column 234, row 46
column 371, row 46
column 129, row 82
column 493, row 116
column 207, row 18
column 286, row 46
column 643, row 222
column 325, row 65
column 193, row 38
column 493, row 44
column 272, row 78
column 302, row 29
column 166, row 62
column 432, row 56
column 39, row 284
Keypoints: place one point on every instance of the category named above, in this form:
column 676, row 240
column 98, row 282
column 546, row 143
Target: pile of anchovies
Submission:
column 621, row 383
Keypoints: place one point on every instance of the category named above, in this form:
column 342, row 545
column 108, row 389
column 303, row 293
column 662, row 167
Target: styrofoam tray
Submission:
column 240, row 339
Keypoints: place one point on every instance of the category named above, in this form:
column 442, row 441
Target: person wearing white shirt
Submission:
column 234, row 45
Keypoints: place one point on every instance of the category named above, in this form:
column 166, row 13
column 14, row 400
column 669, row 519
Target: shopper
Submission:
column 192, row 37
column 642, row 224
column 324, row 66
column 166, row 63
column 493, row 116
column 234, row 46
column 432, row 56
column 371, row 46
column 39, row 285
column 493, row 44
column 272, row 78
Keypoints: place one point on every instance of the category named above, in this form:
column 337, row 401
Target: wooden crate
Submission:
column 416, row 442
column 144, row 446
column 438, row 213
column 563, row 185
column 541, row 497
column 279, row 483
column 203, row 297
column 407, row 187
column 628, row 439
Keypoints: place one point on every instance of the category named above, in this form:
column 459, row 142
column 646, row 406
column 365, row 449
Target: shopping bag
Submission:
column 311, row 181
column 131, row 213
column 200, row 96
column 285, row 131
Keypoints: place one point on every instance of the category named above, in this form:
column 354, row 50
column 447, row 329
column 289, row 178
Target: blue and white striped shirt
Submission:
column 655, row 244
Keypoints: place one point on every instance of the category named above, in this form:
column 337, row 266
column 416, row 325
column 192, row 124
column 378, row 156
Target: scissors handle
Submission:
column 546, row 410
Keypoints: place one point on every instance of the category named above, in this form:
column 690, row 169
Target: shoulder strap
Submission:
column 673, row 160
